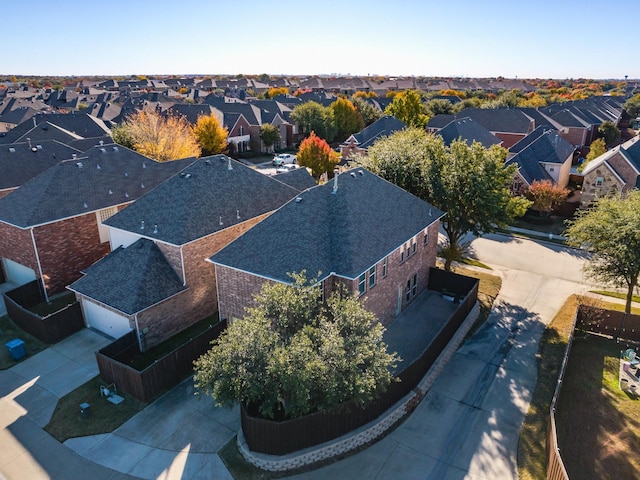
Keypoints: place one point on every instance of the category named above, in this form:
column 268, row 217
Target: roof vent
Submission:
column 144, row 165
column 101, row 142
column 126, row 194
column 12, row 150
column 98, row 167
column 39, row 147
column 85, row 205
column 110, row 192
column 126, row 174
column 79, row 164
column 142, row 225
column 155, row 228
column 238, row 214
column 336, row 173
column 207, row 162
column 115, row 148
column 229, row 167
column 221, row 221
column 360, row 172
column 74, row 155
column 141, row 185
column 353, row 174
column 298, row 199
column 103, row 150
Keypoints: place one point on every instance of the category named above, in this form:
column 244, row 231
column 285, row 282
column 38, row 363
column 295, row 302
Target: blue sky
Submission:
column 541, row 39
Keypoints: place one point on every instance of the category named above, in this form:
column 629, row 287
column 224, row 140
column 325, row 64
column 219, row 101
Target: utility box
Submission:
column 16, row 349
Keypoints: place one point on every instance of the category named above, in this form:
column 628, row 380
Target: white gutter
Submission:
column 35, row 249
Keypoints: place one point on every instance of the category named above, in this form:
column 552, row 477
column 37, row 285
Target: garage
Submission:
column 107, row 321
column 17, row 273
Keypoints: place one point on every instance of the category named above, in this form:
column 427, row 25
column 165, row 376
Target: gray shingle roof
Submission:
column 468, row 130
column 299, row 178
column 384, row 126
column 499, row 119
column 203, row 199
column 345, row 233
column 19, row 162
column 80, row 124
column 546, row 148
column 100, row 178
column 130, row 279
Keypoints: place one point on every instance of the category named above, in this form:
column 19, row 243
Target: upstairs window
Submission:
column 384, row 267
column 372, row 276
column 599, row 181
column 362, row 283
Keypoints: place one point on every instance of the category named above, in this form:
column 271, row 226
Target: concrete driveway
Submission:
column 468, row 424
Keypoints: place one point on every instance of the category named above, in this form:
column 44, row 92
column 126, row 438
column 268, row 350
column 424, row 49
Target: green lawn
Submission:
column 105, row 417
column 620, row 295
column 10, row 331
column 532, row 445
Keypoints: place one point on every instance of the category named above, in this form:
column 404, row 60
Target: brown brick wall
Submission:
column 200, row 299
column 575, row 136
column 382, row 298
column 236, row 289
column 509, row 139
column 66, row 248
column 16, row 245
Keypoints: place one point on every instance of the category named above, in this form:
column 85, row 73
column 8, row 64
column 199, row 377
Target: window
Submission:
column 321, row 291
column 362, row 284
column 551, row 169
column 414, row 288
column 384, row 267
column 402, row 256
column 413, row 248
column 599, row 181
column 408, row 290
column 408, row 251
column 241, row 132
column 426, row 239
column 372, row 276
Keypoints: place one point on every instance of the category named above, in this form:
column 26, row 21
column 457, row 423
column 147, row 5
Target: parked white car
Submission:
column 283, row 159
column 286, row 168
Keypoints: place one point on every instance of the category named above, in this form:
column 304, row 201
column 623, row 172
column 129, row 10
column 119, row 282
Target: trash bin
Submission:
column 16, row 349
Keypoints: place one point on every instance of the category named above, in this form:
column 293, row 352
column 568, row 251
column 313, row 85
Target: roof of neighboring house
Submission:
column 345, row 232
column 507, row 120
column 382, row 127
column 468, row 130
column 84, row 144
column 82, row 125
column 529, row 139
column 440, row 121
column 17, row 115
column 546, row 148
column 130, row 279
column 298, row 178
column 629, row 150
column 100, row 178
column 20, row 162
column 190, row 111
column 204, row 198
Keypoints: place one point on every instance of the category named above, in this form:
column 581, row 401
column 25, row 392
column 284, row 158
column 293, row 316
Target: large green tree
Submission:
column 347, row 118
column 469, row 183
column 632, row 106
column 292, row 355
column 611, row 232
column 368, row 112
column 313, row 117
column 269, row 134
column 609, row 132
column 408, row 108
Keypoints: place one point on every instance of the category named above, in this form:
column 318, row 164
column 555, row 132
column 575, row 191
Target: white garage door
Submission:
column 17, row 273
column 106, row 321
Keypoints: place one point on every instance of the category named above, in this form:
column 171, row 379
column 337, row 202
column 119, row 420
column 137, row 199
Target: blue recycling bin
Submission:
column 16, row 349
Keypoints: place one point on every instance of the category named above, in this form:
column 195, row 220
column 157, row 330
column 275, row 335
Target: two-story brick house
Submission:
column 359, row 230
column 52, row 226
column 156, row 280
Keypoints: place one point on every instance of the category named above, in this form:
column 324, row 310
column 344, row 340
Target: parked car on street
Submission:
column 286, row 168
column 283, row 159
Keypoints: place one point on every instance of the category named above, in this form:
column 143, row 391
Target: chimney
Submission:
column 336, row 172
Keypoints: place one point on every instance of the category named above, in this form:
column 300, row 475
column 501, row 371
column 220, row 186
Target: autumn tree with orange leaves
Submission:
column 316, row 154
column 546, row 196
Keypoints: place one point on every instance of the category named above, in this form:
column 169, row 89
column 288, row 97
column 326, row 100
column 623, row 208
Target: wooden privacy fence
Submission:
column 163, row 374
column 608, row 322
column 282, row 437
column 48, row 329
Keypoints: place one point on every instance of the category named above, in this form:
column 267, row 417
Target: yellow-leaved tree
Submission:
column 160, row 137
column 211, row 136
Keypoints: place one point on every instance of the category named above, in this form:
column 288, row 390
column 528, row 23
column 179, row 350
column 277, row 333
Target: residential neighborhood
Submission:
column 149, row 276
